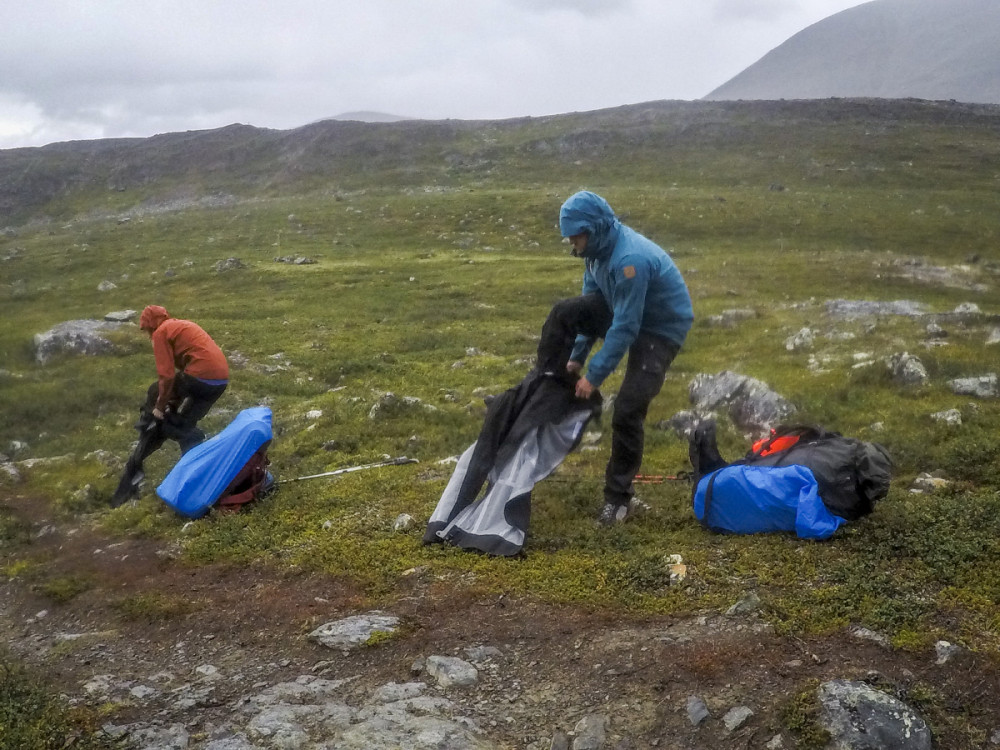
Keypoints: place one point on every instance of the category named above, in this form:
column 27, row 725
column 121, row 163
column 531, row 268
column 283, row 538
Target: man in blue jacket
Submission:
column 636, row 300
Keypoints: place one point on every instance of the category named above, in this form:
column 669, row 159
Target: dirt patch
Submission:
column 147, row 618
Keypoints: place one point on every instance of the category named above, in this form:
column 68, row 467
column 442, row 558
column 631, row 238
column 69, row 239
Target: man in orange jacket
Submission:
column 193, row 374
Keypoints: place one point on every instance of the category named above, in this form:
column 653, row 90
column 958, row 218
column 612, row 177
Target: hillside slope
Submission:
column 685, row 140
column 928, row 49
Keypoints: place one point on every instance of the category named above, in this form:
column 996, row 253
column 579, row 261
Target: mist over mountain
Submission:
column 925, row 49
column 368, row 116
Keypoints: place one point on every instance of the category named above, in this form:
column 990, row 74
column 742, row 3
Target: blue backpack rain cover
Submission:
column 752, row 499
column 205, row 471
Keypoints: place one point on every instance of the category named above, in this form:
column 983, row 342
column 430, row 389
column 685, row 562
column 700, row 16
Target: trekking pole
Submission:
column 680, row 476
column 391, row 462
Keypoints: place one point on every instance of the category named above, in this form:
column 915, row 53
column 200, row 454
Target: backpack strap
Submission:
column 784, row 436
column 708, row 500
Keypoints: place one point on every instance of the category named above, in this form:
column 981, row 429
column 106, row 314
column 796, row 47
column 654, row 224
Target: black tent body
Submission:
column 527, row 432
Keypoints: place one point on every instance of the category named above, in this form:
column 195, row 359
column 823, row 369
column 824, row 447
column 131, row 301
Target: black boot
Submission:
column 703, row 451
column 150, row 439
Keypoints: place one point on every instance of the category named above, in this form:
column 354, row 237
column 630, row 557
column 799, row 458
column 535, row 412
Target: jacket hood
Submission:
column 152, row 317
column 590, row 213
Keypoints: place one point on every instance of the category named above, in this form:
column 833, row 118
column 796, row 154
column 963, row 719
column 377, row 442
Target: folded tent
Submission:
column 528, row 431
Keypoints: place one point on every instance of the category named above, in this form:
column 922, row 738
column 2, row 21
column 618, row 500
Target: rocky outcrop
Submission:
column 86, row 337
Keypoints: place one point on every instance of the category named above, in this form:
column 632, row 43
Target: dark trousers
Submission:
column 648, row 360
column 190, row 401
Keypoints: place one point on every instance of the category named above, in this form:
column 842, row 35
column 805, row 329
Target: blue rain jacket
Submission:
column 205, row 471
column 636, row 277
column 755, row 499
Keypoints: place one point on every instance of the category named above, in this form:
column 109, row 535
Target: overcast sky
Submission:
column 83, row 69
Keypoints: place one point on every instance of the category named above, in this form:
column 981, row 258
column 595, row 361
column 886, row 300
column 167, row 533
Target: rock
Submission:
column 865, row 634
column 934, row 331
column 10, row 470
column 174, row 737
column 747, row 605
column 314, row 414
column 852, row 309
column 736, row 717
column 951, row 417
column 229, row 264
column 928, row 483
column 232, row 742
column 751, row 404
column 121, row 316
column 984, row 386
column 860, row 717
column 804, row 339
column 729, row 318
column 945, row 651
column 451, row 671
column 697, row 711
column 684, row 423
column 353, row 632
column 968, row 308
column 907, row 370
column 394, row 691
column 993, row 337
column 403, row 522
column 106, row 286
column 483, row 653
column 75, row 337
column 560, row 741
column 590, row 732
column 390, row 403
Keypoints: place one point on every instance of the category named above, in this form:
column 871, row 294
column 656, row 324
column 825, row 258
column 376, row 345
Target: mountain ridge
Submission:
column 57, row 180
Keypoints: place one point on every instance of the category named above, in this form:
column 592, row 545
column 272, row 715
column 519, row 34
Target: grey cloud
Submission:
column 584, row 7
column 758, row 10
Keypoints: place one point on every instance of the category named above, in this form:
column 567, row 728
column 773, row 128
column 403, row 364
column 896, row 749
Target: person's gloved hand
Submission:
column 157, row 414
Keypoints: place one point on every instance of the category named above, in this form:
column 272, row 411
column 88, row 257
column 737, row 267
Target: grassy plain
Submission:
column 433, row 283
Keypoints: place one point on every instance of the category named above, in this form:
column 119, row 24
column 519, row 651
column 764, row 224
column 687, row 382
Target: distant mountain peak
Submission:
column 365, row 116
column 889, row 49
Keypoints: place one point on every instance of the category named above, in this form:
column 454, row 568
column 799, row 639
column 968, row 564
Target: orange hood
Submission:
column 152, row 317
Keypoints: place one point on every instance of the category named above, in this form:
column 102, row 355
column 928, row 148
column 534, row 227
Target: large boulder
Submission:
column 75, row 337
column 859, row 717
column 750, row 403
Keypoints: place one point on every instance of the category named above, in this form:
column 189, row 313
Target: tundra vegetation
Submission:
column 433, row 274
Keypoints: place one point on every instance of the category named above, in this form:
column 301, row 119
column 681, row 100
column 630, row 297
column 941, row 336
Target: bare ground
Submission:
column 558, row 664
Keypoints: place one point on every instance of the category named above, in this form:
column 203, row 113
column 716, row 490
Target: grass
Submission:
column 437, row 290
column 30, row 716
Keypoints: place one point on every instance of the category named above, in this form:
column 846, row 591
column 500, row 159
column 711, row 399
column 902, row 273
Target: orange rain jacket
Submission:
column 181, row 346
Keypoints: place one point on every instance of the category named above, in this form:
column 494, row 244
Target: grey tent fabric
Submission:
column 527, row 433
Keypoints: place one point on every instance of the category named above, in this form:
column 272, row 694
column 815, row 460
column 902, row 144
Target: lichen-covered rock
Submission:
column 859, row 717
column 84, row 337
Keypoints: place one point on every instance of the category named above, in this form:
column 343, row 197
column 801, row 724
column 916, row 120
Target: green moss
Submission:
column 154, row 607
column 801, row 716
column 62, row 589
column 33, row 716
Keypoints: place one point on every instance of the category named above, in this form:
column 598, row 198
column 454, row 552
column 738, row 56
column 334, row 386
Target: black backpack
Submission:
column 852, row 474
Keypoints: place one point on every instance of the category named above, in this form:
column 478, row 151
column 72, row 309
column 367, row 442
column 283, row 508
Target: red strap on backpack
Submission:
column 774, row 444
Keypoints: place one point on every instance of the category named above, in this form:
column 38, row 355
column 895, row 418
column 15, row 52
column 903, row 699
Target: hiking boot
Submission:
column 128, row 488
column 613, row 513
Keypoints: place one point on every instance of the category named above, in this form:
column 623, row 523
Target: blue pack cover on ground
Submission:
column 205, row 471
column 755, row 499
